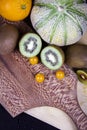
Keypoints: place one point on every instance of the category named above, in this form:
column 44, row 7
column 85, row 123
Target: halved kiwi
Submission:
column 52, row 57
column 30, row 45
column 82, row 76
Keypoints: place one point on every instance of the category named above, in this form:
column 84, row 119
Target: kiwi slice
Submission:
column 52, row 57
column 30, row 45
column 82, row 76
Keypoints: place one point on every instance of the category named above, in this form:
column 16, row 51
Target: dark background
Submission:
column 21, row 122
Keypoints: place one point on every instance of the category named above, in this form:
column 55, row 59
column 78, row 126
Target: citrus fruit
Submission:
column 15, row 10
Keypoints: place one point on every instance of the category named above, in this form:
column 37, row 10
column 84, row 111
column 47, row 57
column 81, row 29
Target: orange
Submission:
column 15, row 10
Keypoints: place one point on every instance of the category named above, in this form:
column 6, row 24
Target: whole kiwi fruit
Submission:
column 76, row 56
column 8, row 38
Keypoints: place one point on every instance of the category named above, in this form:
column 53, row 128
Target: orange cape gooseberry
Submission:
column 60, row 74
column 40, row 77
column 33, row 60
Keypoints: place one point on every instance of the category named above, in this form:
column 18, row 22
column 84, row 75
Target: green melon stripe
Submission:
column 74, row 19
column 54, row 27
column 80, row 1
column 50, row 6
column 63, row 3
column 74, row 10
column 44, row 21
column 65, row 30
column 68, row 5
column 58, row 1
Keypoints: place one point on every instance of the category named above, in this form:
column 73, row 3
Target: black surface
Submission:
column 21, row 122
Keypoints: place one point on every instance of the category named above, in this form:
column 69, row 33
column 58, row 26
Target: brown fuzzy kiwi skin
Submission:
column 76, row 56
column 8, row 38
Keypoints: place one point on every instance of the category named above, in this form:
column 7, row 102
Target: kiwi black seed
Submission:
column 8, row 38
column 52, row 57
column 30, row 45
column 82, row 76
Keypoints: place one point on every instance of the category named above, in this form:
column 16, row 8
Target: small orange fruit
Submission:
column 60, row 74
column 15, row 10
column 40, row 77
column 33, row 60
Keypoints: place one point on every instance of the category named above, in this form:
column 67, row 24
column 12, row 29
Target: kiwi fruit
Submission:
column 52, row 57
column 76, row 56
column 30, row 45
column 8, row 38
column 82, row 76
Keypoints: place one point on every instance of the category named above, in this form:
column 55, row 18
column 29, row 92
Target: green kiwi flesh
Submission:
column 82, row 76
column 30, row 45
column 52, row 57
column 8, row 38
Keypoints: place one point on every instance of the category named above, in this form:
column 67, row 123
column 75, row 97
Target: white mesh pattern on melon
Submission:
column 45, row 1
column 46, row 30
column 73, row 32
column 81, row 7
column 58, row 38
column 38, row 13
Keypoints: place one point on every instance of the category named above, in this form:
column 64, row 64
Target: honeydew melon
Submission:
column 59, row 22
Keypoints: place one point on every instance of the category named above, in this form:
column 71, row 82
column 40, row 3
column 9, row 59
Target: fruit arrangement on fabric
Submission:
column 33, row 72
